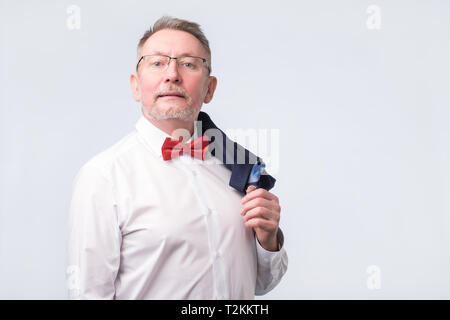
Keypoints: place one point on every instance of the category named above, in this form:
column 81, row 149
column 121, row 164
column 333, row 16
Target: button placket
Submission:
column 208, row 212
column 216, row 255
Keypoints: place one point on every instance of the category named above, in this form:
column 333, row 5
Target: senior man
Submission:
column 146, row 225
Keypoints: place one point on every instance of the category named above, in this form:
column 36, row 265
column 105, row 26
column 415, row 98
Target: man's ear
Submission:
column 212, row 84
column 135, row 89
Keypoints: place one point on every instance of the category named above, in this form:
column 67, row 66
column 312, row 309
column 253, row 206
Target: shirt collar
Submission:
column 153, row 136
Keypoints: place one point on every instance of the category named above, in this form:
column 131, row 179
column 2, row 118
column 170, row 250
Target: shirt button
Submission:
column 194, row 173
column 217, row 254
column 266, row 260
column 208, row 211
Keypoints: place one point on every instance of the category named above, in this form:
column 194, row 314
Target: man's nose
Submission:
column 172, row 74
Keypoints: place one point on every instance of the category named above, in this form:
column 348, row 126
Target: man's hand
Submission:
column 261, row 211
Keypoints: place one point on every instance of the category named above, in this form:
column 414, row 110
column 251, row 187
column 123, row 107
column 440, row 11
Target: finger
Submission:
column 259, row 192
column 263, row 213
column 259, row 202
column 264, row 224
column 250, row 188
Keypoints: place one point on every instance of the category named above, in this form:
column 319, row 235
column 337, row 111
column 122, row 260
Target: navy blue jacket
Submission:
column 240, row 172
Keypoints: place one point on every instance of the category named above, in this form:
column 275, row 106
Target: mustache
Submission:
column 169, row 88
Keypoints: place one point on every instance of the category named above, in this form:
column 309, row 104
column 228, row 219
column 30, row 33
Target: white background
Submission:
column 363, row 114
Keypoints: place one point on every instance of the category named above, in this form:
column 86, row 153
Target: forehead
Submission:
column 173, row 43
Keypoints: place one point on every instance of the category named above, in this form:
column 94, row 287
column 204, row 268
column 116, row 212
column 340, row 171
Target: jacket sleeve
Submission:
column 272, row 265
column 94, row 237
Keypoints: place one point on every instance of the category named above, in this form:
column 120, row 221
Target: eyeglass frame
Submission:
column 170, row 59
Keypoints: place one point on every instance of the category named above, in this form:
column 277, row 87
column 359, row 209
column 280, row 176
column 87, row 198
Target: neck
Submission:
column 170, row 125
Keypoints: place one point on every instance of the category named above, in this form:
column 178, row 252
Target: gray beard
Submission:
column 184, row 114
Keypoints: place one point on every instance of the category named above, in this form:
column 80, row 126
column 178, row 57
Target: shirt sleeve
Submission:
column 272, row 265
column 94, row 237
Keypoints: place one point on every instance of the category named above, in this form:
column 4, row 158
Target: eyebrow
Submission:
column 181, row 55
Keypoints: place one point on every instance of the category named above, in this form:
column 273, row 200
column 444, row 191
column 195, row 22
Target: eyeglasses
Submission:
column 159, row 63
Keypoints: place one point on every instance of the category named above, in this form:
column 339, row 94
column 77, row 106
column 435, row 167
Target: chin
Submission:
column 172, row 112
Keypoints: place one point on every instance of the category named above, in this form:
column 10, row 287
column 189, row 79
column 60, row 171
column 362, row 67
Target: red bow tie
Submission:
column 196, row 148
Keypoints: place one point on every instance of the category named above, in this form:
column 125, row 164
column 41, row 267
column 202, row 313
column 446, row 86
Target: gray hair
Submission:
column 167, row 22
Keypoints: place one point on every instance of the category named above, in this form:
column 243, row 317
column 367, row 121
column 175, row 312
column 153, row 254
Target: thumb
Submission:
column 250, row 188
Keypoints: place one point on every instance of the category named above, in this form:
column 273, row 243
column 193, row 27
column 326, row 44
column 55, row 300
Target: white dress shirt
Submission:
column 144, row 228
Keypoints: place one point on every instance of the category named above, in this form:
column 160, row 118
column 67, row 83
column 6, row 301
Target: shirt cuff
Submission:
column 266, row 258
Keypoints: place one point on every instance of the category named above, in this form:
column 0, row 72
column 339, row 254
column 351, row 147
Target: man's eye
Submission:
column 190, row 65
column 156, row 63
